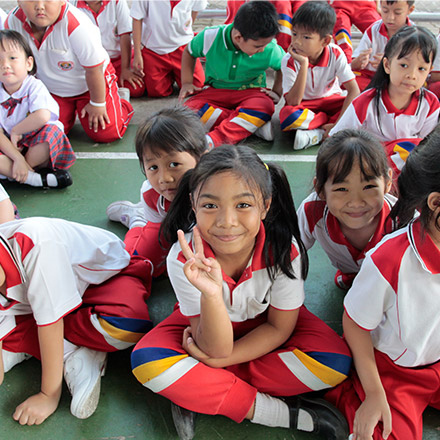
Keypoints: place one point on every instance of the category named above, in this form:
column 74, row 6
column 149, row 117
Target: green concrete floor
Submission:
column 126, row 409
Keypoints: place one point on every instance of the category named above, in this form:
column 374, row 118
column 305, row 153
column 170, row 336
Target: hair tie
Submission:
column 265, row 164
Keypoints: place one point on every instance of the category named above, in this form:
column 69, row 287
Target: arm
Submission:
column 188, row 64
column 375, row 407
column 37, row 408
column 127, row 74
column 352, row 91
column 96, row 86
column 6, row 211
column 32, row 122
column 258, row 342
column 295, row 95
column 212, row 330
column 138, row 62
column 194, row 15
column 16, row 167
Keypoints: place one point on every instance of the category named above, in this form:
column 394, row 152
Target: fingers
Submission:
column 387, row 425
column 186, row 250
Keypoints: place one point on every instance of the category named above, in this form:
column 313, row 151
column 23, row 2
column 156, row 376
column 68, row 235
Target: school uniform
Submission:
column 435, row 86
column 113, row 20
column 3, row 194
column 361, row 13
column 30, row 97
column 375, row 38
column 399, row 130
column 313, row 358
column 323, row 97
column 68, row 47
column 233, row 106
column 398, row 301
column 3, row 16
column 317, row 223
column 55, row 269
column 145, row 240
column 166, row 30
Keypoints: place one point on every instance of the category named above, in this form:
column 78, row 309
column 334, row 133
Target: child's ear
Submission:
column 266, row 208
column 321, row 195
column 386, row 65
column 434, row 201
column 236, row 36
column 326, row 40
column 29, row 63
column 389, row 180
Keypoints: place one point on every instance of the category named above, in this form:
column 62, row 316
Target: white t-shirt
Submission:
column 251, row 295
column 3, row 194
column 166, row 25
column 396, row 295
column 70, row 45
column 113, row 20
column 35, row 96
column 324, row 78
column 49, row 263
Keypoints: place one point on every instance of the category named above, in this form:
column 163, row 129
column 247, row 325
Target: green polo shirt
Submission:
column 228, row 67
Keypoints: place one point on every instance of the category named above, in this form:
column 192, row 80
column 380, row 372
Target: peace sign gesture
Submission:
column 203, row 273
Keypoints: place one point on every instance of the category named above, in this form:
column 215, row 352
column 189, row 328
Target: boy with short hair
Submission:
column 368, row 54
column 74, row 66
column 313, row 70
column 236, row 102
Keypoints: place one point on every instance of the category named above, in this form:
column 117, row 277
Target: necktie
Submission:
column 10, row 104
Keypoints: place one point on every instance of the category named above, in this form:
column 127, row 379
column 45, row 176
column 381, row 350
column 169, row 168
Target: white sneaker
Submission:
column 82, row 372
column 11, row 359
column 307, row 138
column 265, row 131
column 126, row 213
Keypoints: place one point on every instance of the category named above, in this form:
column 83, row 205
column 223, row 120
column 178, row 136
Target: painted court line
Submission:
column 265, row 157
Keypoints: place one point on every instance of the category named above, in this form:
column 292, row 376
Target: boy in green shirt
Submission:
column 235, row 101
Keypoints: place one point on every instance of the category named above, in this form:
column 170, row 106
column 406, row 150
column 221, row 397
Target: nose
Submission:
column 411, row 73
column 38, row 5
column 356, row 199
column 165, row 176
column 226, row 217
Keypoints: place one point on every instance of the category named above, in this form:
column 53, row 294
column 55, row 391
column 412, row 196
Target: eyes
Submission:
column 344, row 189
column 405, row 66
column 170, row 165
column 241, row 205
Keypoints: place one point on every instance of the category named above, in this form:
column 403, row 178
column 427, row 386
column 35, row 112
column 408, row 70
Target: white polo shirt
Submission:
column 166, row 25
column 251, row 295
column 416, row 121
column 396, row 296
column 49, row 263
column 113, row 20
column 3, row 194
column 155, row 206
column 316, row 222
column 3, row 16
column 376, row 38
column 70, row 45
column 324, row 78
column 34, row 96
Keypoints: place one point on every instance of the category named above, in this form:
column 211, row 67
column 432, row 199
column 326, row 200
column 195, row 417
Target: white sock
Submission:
column 33, row 179
column 136, row 223
column 270, row 411
column 305, row 421
column 69, row 348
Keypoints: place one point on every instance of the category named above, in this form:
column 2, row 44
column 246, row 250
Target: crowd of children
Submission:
column 220, row 222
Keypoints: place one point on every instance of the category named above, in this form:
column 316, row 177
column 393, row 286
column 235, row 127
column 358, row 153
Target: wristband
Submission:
column 97, row 104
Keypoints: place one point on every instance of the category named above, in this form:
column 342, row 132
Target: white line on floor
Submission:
column 265, row 157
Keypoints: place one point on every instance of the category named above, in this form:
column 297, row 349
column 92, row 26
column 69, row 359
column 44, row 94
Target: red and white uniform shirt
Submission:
column 396, row 296
column 251, row 295
column 113, row 20
column 32, row 95
column 166, row 25
column 317, row 223
column 415, row 121
column 375, row 38
column 49, row 263
column 324, row 78
column 155, row 206
column 70, row 45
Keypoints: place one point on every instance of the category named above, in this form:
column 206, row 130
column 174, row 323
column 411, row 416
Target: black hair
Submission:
column 405, row 41
column 17, row 39
column 339, row 152
column 257, row 19
column 171, row 129
column 281, row 222
column 410, row 2
column 315, row 16
column 420, row 176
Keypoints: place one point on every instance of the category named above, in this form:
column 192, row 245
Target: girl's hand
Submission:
column 372, row 410
column 133, row 78
column 190, row 346
column 97, row 116
column 15, row 139
column 36, row 409
column 203, row 273
column 20, row 169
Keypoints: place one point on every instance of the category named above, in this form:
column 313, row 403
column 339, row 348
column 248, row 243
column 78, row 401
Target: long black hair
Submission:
column 405, row 41
column 281, row 222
